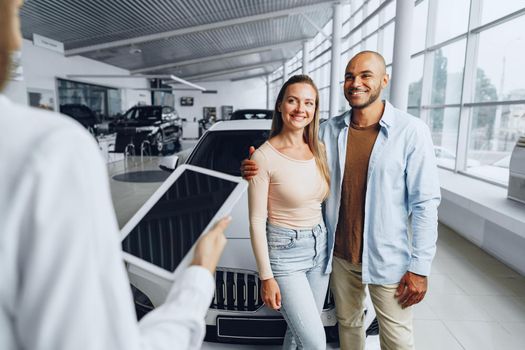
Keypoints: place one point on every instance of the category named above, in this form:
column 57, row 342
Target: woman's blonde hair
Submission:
column 311, row 131
column 7, row 8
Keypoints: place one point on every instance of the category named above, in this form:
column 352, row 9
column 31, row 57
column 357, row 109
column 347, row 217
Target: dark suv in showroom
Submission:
column 148, row 130
column 82, row 114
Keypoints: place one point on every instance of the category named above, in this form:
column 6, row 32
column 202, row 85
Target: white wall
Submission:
column 16, row 91
column 250, row 93
column 42, row 67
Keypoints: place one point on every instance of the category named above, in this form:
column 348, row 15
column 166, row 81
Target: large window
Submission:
column 452, row 19
column 104, row 101
column 444, row 129
column 419, row 26
column 466, row 74
column 501, row 69
column 447, row 77
column 416, row 81
column 494, row 131
column 492, row 10
column 388, row 42
column 497, row 112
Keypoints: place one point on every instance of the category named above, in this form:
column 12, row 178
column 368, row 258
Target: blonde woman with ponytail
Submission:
column 288, row 234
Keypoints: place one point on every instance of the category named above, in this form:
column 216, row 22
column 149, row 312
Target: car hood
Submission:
column 136, row 123
column 238, row 253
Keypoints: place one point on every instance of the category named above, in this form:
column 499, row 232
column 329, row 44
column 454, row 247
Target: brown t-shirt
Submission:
column 349, row 232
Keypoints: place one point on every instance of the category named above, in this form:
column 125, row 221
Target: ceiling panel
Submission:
column 80, row 24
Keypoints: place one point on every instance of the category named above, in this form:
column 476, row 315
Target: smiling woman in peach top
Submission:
column 288, row 234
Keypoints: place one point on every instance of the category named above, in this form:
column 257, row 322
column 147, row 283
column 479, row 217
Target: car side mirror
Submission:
column 169, row 163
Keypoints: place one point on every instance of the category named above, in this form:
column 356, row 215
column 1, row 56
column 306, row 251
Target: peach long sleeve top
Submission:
column 286, row 192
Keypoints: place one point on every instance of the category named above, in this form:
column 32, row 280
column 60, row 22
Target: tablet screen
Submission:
column 171, row 227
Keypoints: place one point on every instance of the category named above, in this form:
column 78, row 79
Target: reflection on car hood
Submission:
column 238, row 253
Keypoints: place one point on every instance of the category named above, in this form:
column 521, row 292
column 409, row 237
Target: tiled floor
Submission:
column 474, row 302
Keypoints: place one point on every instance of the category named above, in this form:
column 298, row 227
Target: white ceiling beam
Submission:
column 124, row 76
column 199, row 28
column 233, row 70
column 313, row 24
column 219, row 57
column 164, row 89
column 251, row 77
column 147, row 76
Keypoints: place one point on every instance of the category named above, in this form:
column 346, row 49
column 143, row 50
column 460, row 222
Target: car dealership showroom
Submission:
column 175, row 92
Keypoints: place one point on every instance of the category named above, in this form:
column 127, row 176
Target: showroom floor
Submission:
column 474, row 301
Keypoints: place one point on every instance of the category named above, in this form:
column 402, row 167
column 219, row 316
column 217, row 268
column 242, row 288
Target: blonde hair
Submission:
column 7, row 8
column 311, row 131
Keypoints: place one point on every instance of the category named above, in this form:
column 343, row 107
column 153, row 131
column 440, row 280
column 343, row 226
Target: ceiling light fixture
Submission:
column 134, row 50
column 180, row 80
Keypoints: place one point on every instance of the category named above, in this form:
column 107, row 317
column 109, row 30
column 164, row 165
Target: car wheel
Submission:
column 178, row 146
column 159, row 142
column 143, row 304
column 373, row 329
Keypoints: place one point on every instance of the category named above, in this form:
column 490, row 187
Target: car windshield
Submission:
column 224, row 150
column 168, row 110
column 144, row 114
column 78, row 112
column 247, row 114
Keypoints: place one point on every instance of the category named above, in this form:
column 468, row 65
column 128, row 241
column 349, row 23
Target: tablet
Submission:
column 160, row 237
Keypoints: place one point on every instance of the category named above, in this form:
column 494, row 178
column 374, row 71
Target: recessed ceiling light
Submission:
column 134, row 50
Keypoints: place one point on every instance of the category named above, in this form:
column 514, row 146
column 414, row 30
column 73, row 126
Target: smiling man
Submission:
column 383, row 180
column 383, row 172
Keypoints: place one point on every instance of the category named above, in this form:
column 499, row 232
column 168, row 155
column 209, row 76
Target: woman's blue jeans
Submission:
column 298, row 258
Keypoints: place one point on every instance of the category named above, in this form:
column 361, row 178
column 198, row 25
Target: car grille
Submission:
column 238, row 290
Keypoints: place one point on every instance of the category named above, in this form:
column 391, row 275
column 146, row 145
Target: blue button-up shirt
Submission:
column 402, row 184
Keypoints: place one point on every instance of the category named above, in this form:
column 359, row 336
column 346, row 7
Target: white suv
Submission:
column 237, row 313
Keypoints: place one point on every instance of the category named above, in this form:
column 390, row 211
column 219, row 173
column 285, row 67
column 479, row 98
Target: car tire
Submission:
column 332, row 334
column 143, row 304
column 178, row 145
column 159, row 142
column 373, row 329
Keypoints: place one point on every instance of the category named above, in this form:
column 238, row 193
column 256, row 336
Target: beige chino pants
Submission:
column 395, row 323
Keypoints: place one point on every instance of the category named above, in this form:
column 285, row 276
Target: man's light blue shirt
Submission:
column 402, row 184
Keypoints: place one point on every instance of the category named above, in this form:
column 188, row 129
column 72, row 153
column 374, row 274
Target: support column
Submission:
column 268, row 92
column 335, row 74
column 469, row 86
column 285, row 71
column 306, row 57
column 364, row 30
column 401, row 58
column 428, row 65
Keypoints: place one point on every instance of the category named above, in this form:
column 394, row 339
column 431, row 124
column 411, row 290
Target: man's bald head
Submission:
column 377, row 59
column 365, row 78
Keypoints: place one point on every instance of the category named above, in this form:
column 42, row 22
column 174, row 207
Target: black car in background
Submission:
column 150, row 129
column 249, row 114
column 82, row 114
